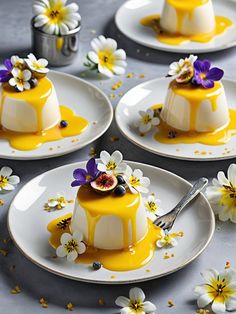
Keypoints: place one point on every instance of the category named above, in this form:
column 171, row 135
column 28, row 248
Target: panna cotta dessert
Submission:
column 188, row 17
column 196, row 99
column 30, row 114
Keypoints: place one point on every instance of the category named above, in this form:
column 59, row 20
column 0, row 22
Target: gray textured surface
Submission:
column 35, row 282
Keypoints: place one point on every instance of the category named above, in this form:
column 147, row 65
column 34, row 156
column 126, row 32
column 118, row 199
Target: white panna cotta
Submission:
column 29, row 111
column 188, row 17
column 194, row 108
column 107, row 221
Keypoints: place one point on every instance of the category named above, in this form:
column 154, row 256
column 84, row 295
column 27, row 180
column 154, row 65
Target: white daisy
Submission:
column 59, row 202
column 38, row 66
column 176, row 68
column 7, row 181
column 222, row 194
column 20, row 79
column 106, row 58
column 18, row 62
column 112, row 164
column 219, row 291
column 136, row 303
column 71, row 246
column 147, row 121
column 152, row 206
column 55, row 17
column 168, row 239
column 135, row 180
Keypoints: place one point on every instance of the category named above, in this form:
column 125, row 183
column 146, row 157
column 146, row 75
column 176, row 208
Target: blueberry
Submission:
column 63, row 124
column 120, row 190
column 120, row 179
column 33, row 82
column 97, row 265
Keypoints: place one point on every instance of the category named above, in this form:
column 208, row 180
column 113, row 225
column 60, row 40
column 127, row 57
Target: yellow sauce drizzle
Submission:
column 131, row 258
column 153, row 21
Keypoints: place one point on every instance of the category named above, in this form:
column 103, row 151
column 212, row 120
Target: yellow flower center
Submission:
column 88, row 177
column 106, row 59
column 152, row 206
column 111, row 165
column 136, row 305
column 37, row 65
column 3, row 182
column 203, row 76
column 56, row 13
column 147, row 119
column 219, row 291
column 228, row 197
column 134, row 181
column 71, row 246
column 61, row 202
column 20, row 65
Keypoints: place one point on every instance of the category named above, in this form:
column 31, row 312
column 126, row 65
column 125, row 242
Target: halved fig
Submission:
column 104, row 183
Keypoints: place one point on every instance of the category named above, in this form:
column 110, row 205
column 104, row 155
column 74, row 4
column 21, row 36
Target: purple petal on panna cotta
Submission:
column 208, row 83
column 92, row 168
column 215, row 74
column 202, row 66
column 4, row 76
column 8, row 64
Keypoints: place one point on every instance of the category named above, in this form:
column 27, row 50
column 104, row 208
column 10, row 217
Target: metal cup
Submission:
column 59, row 50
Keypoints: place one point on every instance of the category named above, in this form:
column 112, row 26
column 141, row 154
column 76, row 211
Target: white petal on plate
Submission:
column 5, row 171
column 149, row 307
column 160, row 243
column 52, row 203
column 60, row 251
column 9, row 187
column 105, row 71
column 122, row 301
column 173, row 242
column 120, row 54
column 105, row 157
column 93, row 57
column 144, row 127
column 142, row 113
column 204, row 300
column 209, row 274
column 155, row 121
column 136, row 294
column 117, row 157
column 14, row 180
column 71, row 257
column 65, row 238
column 232, row 174
column 82, row 248
column 218, row 307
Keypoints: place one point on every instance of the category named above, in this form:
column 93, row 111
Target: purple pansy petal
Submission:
column 215, row 74
column 92, row 167
column 206, row 65
column 79, row 174
column 8, row 64
column 77, row 183
column 4, row 76
column 208, row 84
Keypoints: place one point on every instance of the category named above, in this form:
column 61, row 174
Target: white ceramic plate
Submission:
column 28, row 222
column 131, row 12
column 87, row 101
column 153, row 92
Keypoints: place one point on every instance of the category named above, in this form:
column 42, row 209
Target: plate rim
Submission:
column 112, row 281
column 166, row 48
column 166, row 155
column 77, row 146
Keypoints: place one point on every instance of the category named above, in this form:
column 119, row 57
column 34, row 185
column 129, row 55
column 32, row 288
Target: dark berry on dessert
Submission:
column 120, row 179
column 97, row 265
column 63, row 124
column 120, row 190
column 172, row 134
column 33, row 82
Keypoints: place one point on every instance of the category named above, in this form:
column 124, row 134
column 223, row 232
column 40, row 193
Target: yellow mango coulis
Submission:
column 133, row 256
column 153, row 21
column 37, row 98
column 195, row 95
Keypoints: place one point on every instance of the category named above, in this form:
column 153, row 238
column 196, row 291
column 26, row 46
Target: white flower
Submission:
column 219, row 291
column 152, row 206
column 168, row 239
column 106, row 58
column 176, row 68
column 20, row 79
column 112, row 164
column 55, row 17
column 222, row 194
column 135, row 180
column 18, row 62
column 59, row 202
column 71, row 246
column 135, row 304
column 147, row 121
column 7, row 181
column 39, row 66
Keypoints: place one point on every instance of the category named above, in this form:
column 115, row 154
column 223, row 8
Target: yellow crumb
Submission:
column 70, row 306
column 203, row 311
column 227, row 265
column 148, row 270
column 44, row 303
column 16, row 290
column 114, row 138
column 112, row 96
column 2, row 202
column 3, row 252
column 101, row 301
column 92, row 152
column 120, row 94
column 141, row 76
column 170, row 303
column 50, row 148
column 166, row 256
column 130, row 75
column 113, row 277
column 116, row 85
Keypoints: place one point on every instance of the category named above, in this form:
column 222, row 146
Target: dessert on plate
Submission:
column 195, row 108
column 185, row 20
column 111, row 216
column 29, row 108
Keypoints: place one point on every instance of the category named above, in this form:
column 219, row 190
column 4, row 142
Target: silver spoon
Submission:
column 166, row 221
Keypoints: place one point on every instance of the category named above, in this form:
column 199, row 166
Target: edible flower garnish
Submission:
column 135, row 181
column 58, row 202
column 83, row 176
column 18, row 62
column 20, row 79
column 55, row 17
column 5, row 74
column 105, row 57
column 71, row 246
column 147, row 121
column 7, row 181
column 37, row 66
column 219, row 291
column 183, row 70
column 152, row 206
column 112, row 164
column 136, row 303
column 204, row 75
column 222, row 194
column 168, row 239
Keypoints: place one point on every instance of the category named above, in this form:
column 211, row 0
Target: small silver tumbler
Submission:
column 59, row 50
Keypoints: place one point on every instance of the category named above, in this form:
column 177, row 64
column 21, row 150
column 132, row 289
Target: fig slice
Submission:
column 104, row 183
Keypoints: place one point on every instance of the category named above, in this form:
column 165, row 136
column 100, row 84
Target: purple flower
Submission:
column 204, row 75
column 83, row 176
column 5, row 75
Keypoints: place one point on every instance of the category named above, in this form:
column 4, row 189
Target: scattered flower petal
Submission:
column 37, row 66
column 168, row 239
column 135, row 180
column 147, row 121
column 152, row 206
column 8, row 182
